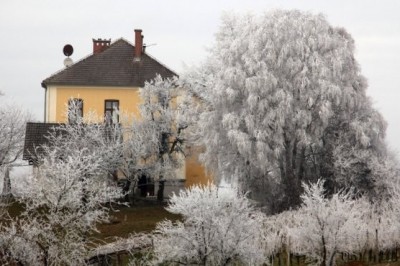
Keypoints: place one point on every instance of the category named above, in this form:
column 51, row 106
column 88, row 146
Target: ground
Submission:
column 137, row 219
column 143, row 219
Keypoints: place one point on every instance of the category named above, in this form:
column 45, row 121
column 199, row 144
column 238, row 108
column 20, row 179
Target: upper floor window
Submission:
column 111, row 111
column 75, row 110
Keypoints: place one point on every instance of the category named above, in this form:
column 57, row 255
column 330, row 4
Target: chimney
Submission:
column 138, row 45
column 100, row 45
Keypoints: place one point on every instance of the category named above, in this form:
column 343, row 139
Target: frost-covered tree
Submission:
column 326, row 225
column 67, row 199
column 103, row 139
column 12, row 134
column 154, row 146
column 284, row 102
column 218, row 228
column 382, row 221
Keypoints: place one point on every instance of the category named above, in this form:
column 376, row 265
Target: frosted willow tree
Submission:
column 284, row 102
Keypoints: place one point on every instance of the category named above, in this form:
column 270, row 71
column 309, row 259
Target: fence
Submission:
column 367, row 258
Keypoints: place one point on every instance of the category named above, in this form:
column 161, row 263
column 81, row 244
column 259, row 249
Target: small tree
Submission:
column 218, row 228
column 154, row 146
column 12, row 135
column 66, row 201
column 327, row 225
column 103, row 139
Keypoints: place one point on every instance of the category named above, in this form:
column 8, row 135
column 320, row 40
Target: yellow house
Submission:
column 107, row 81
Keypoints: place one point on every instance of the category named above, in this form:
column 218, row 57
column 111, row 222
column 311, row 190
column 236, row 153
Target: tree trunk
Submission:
column 323, row 263
column 6, row 193
column 286, row 249
column 290, row 181
column 332, row 259
column 160, row 192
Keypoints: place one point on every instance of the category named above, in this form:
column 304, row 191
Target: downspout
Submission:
column 45, row 101
column 45, row 104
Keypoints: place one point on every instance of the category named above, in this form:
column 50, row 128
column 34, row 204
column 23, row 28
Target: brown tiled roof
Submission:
column 35, row 136
column 113, row 67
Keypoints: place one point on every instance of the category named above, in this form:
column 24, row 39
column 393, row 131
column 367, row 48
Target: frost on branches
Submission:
column 12, row 135
column 327, row 225
column 154, row 145
column 284, row 96
column 218, row 228
column 322, row 229
column 68, row 198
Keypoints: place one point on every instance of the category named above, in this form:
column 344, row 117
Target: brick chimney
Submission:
column 138, row 45
column 100, row 45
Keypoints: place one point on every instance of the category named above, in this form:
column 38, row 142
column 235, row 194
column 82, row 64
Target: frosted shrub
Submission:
column 327, row 225
column 218, row 228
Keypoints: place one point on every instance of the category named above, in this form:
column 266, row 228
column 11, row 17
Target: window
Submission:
column 75, row 110
column 111, row 111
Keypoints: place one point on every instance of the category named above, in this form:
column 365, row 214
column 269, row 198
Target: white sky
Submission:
column 33, row 33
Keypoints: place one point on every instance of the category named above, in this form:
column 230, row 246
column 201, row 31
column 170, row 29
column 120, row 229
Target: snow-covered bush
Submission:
column 383, row 221
column 218, row 228
column 327, row 225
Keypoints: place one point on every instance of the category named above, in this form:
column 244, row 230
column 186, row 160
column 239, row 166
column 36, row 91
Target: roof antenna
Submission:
column 68, row 50
column 147, row 45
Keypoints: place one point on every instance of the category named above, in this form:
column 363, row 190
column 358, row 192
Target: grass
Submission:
column 137, row 219
column 124, row 220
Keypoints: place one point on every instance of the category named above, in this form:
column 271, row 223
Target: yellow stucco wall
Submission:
column 93, row 100
column 129, row 100
column 195, row 172
column 51, row 101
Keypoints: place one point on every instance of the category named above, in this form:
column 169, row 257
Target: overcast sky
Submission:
column 33, row 33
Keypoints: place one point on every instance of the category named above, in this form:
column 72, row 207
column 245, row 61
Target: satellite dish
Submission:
column 68, row 50
column 68, row 61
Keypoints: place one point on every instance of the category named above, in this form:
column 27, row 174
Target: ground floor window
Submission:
column 111, row 111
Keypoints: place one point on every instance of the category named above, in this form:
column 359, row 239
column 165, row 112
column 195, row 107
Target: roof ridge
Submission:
column 149, row 55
